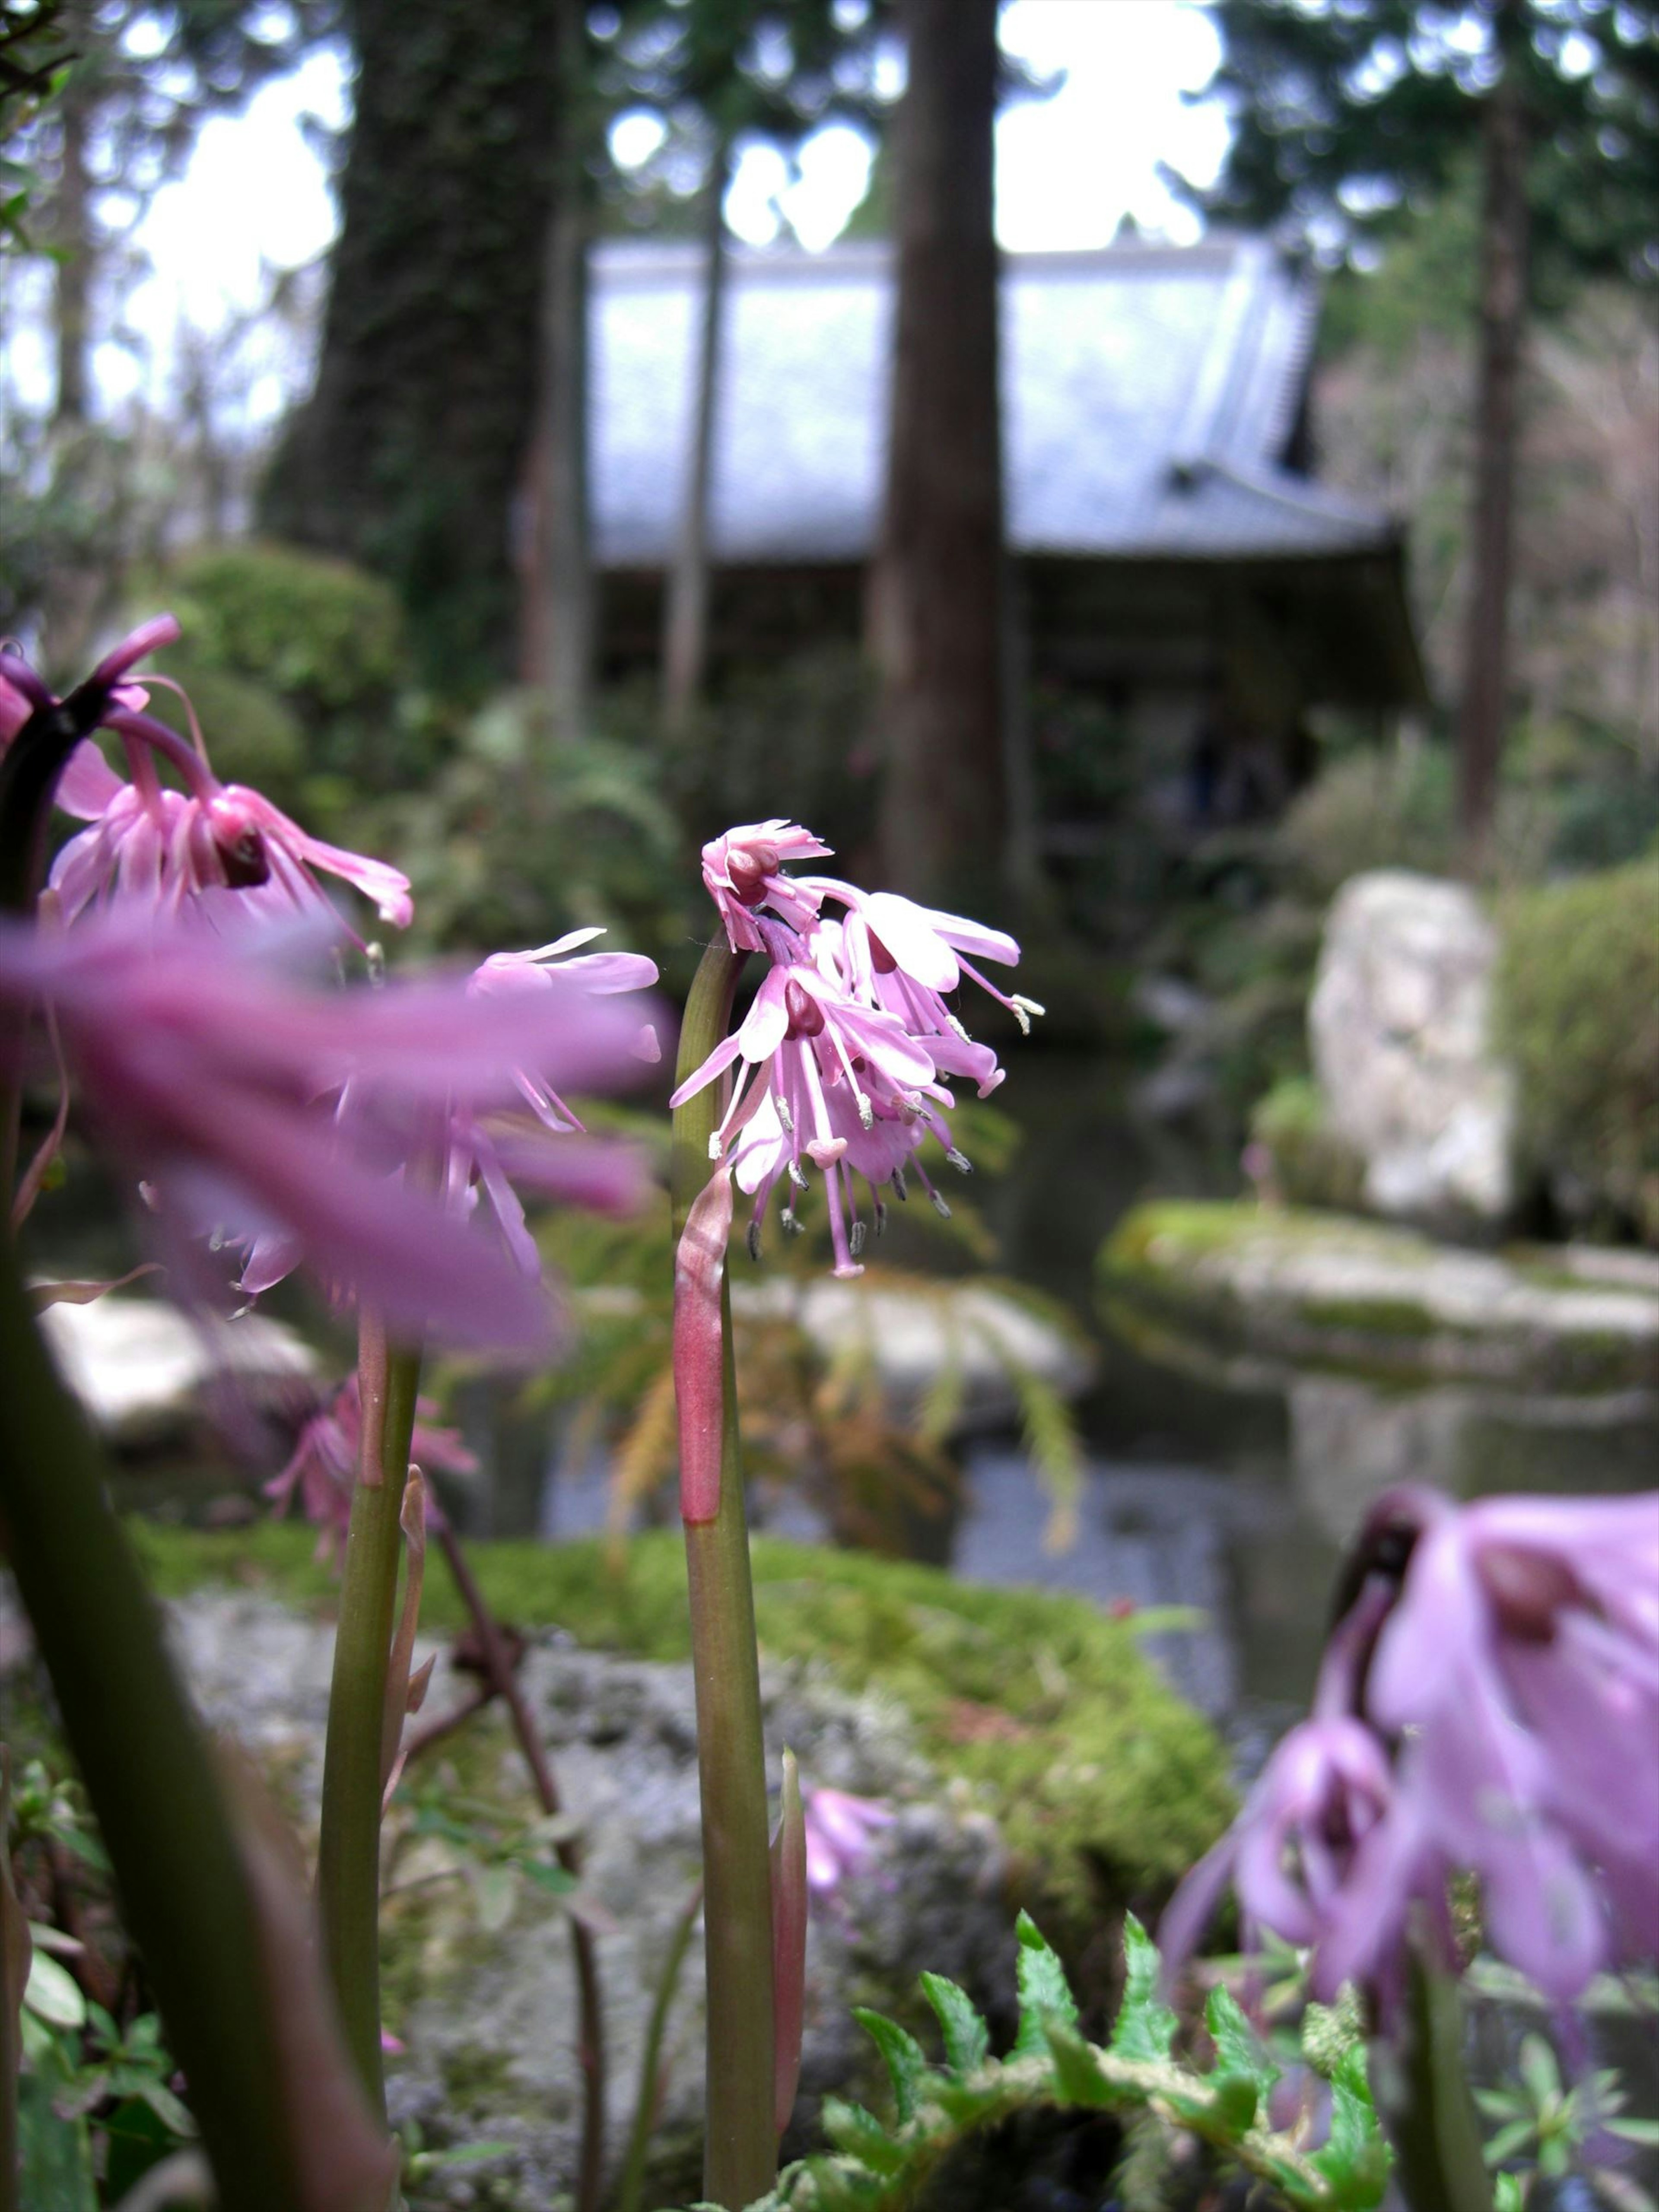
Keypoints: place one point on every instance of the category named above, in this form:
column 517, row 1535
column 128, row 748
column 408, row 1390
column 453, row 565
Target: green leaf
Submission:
column 1045, row 1998
column 1234, row 2100
column 861, row 2135
column 1355, row 2160
column 907, row 2062
column 1538, row 2070
column 967, row 2039
column 1509, row 2193
column 53, row 1995
column 548, row 1874
column 1238, row 2048
column 1505, row 2143
column 1077, row 2071
column 1145, row 2026
column 1637, row 2131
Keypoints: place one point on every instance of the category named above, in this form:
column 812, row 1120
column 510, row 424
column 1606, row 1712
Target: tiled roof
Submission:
column 1150, row 394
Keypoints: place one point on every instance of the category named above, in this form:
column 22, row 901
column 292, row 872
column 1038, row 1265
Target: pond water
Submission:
column 1235, row 1503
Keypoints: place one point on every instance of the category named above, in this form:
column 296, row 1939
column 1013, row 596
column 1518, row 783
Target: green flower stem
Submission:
column 1423, row 2095
column 740, row 2152
column 631, row 2195
column 348, row 1849
column 184, row 1893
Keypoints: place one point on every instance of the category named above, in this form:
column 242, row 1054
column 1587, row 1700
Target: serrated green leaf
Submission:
column 1234, row 2101
column 1355, row 2160
column 860, row 2135
column 1077, row 2071
column 1238, row 2048
column 1045, row 1997
column 1145, row 2025
column 967, row 2039
column 906, row 2061
column 966, row 2102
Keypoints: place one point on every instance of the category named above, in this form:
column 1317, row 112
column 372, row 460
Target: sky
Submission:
column 1068, row 169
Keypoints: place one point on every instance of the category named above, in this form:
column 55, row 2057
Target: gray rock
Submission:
column 479, row 1973
column 1400, row 1027
column 144, row 1371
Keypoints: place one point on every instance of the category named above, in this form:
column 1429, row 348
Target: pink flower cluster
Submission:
column 849, row 1046
column 322, row 1467
column 367, row 1132
column 1488, row 1704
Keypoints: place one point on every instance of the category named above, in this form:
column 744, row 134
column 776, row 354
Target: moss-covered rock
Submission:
column 1578, row 1014
column 1028, row 1750
column 1103, row 1784
column 1232, row 1284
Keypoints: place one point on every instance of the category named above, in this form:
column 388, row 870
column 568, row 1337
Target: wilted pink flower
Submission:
column 1502, row 1661
column 323, row 1465
column 841, row 1837
column 253, row 1109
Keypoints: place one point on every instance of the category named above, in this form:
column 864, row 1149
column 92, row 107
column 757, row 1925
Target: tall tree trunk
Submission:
column 560, row 598
column 937, row 592
column 409, row 454
column 73, row 241
column 685, row 608
column 1503, row 327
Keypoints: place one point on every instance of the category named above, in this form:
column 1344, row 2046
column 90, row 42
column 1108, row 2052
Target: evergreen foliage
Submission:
column 1348, row 117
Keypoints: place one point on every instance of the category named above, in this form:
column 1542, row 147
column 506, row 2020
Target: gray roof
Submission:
column 1150, row 394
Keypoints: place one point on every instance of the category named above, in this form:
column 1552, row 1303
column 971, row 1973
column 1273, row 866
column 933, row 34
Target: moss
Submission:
column 1578, row 1013
column 1312, row 1165
column 1104, row 1784
column 1168, row 1289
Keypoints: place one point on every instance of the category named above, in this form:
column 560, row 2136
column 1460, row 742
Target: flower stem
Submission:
column 349, row 1849
column 589, row 1995
column 630, row 2195
column 1423, row 2094
column 741, row 2149
column 185, row 1891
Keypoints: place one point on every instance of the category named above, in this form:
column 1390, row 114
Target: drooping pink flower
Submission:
column 604, row 973
column 251, row 1107
column 849, row 1046
column 322, row 1467
column 177, row 853
column 1490, row 1705
column 842, row 1833
column 742, row 872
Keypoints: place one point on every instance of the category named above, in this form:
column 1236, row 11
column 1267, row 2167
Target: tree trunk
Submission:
column 685, row 613
column 1503, row 327
column 410, row 453
column 560, row 593
column 73, row 241
column 937, row 592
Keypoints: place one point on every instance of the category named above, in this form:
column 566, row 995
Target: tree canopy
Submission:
column 1349, row 115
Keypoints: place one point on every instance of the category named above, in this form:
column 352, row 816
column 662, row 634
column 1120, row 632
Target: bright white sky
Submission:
column 1068, row 169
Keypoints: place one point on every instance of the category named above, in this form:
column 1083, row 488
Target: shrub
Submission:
column 1373, row 810
column 1577, row 1013
column 323, row 637
column 1312, row 1165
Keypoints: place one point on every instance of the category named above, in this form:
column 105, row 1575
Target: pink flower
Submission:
column 741, row 873
column 252, row 1109
column 1489, row 1705
column 218, row 852
column 841, row 1837
column 323, row 1465
column 604, row 973
column 177, row 851
column 848, row 1048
